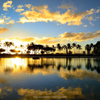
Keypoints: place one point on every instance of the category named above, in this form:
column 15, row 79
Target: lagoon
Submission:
column 49, row 78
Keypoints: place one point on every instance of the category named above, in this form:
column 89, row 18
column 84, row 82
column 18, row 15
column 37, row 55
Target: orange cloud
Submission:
column 2, row 30
column 62, row 38
column 80, row 36
column 42, row 14
column 29, row 39
column 7, row 5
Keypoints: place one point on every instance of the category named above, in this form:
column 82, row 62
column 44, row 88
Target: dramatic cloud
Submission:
column 62, row 38
column 28, row 5
column 19, row 10
column 80, row 36
column 42, row 14
column 7, row 5
column 2, row 30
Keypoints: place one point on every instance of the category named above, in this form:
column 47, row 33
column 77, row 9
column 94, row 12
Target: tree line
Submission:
column 33, row 48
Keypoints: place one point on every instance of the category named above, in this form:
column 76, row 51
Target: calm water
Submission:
column 49, row 78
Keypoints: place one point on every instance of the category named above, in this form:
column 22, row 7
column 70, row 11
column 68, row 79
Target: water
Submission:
column 49, row 78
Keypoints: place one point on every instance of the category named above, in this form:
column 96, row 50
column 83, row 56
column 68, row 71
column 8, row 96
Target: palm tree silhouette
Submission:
column 69, row 47
column 22, row 47
column 8, row 44
column 88, row 48
column 59, row 47
column 79, row 47
column 74, row 45
column 66, row 48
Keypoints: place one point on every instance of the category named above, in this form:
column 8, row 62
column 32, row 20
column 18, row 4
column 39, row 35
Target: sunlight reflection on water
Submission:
column 54, row 78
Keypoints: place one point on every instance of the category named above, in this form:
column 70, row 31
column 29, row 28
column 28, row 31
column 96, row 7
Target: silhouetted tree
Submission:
column 22, row 48
column 8, row 44
column 69, row 47
column 79, row 47
column 47, row 49
column 74, row 45
column 66, row 48
column 88, row 48
column 59, row 47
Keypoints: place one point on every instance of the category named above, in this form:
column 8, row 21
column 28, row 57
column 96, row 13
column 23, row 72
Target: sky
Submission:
column 50, row 21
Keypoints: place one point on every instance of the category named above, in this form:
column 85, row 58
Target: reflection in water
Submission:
column 71, row 78
column 61, row 93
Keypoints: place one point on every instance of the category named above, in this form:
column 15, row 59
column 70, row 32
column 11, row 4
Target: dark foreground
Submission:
column 49, row 56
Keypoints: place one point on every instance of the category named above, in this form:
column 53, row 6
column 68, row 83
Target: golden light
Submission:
column 17, row 42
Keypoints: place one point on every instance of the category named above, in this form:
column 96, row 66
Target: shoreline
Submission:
column 48, row 56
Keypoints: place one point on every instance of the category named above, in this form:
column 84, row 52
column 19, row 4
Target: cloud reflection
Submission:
column 70, row 93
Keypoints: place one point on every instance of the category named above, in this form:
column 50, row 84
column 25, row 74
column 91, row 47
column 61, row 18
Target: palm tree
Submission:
column 79, row 47
column 47, row 49
column 8, row 44
column 66, row 48
column 88, row 48
column 22, row 48
column 69, row 47
column 59, row 47
column 74, row 45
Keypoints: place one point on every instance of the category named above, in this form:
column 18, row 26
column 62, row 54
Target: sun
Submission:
column 17, row 43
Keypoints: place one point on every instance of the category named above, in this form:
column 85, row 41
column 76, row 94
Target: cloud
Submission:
column 7, row 5
column 47, row 40
column 2, row 30
column 62, row 38
column 28, row 39
column 19, row 6
column 2, row 21
column 89, row 18
column 97, row 11
column 42, row 14
column 6, row 20
column 19, row 10
column 85, row 25
column 80, row 36
column 66, row 7
column 44, row 40
column 28, row 5
column 11, row 22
